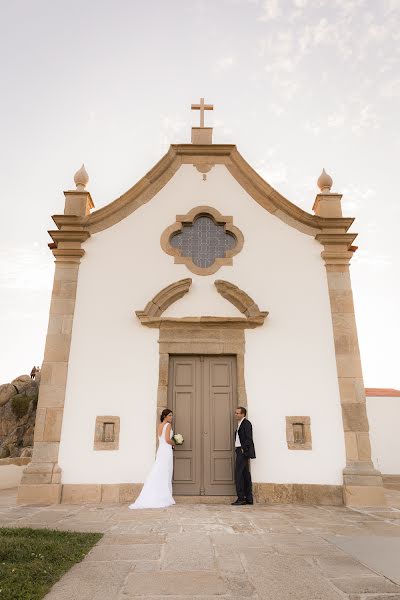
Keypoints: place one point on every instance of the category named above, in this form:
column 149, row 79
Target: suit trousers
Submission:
column 243, row 477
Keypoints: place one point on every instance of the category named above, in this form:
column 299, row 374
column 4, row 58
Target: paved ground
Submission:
column 277, row 552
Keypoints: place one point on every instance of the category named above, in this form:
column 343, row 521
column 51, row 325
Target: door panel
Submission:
column 202, row 395
column 183, row 400
column 219, row 402
column 222, row 407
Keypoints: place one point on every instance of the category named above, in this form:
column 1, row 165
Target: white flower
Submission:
column 178, row 438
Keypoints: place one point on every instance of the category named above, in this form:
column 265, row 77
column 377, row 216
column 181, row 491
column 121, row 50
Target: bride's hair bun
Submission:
column 165, row 413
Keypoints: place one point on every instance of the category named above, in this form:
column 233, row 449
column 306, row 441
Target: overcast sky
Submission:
column 297, row 85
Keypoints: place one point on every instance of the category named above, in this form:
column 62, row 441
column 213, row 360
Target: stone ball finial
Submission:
column 81, row 178
column 325, row 182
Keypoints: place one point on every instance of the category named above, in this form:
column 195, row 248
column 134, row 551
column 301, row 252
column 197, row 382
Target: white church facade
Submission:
column 201, row 289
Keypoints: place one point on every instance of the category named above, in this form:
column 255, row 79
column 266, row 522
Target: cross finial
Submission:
column 202, row 107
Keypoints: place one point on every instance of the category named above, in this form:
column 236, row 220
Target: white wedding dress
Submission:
column 157, row 489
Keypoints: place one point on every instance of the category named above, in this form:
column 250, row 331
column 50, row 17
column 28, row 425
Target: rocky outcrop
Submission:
column 7, row 391
column 18, row 401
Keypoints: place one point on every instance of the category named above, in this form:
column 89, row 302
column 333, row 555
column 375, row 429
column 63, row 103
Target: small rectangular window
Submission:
column 298, row 433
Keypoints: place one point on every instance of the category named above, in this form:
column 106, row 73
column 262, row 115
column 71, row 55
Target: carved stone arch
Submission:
column 151, row 316
column 239, row 299
column 165, row 298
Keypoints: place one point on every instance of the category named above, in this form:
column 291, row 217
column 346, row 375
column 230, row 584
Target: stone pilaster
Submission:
column 41, row 480
column 362, row 483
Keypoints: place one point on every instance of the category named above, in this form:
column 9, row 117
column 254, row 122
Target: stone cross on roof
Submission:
column 202, row 135
column 202, row 107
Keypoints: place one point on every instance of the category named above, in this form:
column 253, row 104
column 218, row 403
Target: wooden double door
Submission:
column 202, row 395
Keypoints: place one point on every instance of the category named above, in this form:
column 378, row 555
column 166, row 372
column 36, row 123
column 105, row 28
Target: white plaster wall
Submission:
column 289, row 364
column 384, row 418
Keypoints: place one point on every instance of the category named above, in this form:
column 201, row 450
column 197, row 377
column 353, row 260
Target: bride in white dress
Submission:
column 157, row 489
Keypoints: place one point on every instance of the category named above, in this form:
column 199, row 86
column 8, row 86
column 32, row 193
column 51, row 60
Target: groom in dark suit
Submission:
column 244, row 450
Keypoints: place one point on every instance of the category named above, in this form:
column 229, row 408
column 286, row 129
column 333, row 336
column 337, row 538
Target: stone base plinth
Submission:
column 202, row 135
column 363, row 486
column 298, row 493
column 101, row 493
column 40, row 493
column 269, row 493
column 364, row 495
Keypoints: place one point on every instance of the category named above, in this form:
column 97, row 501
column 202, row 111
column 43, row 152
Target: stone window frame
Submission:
column 188, row 219
column 307, row 442
column 99, row 443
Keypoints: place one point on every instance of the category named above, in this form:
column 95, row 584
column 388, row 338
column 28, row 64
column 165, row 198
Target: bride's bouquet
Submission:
column 178, row 439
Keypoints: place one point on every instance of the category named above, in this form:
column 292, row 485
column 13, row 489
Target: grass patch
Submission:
column 32, row 560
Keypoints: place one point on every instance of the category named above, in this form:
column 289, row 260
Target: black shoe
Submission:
column 239, row 502
column 249, row 502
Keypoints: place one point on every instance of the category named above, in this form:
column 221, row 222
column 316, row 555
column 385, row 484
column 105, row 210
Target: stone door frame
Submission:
column 198, row 339
column 204, row 421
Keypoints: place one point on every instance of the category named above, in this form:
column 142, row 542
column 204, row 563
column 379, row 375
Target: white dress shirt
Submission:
column 237, row 439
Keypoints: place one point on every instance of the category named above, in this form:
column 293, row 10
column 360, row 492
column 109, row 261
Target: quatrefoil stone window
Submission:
column 203, row 240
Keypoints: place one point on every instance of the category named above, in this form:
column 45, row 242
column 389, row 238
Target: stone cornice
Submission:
column 69, row 221
column 147, row 187
column 69, row 235
column 337, row 247
column 231, row 322
column 70, row 255
column 68, row 238
column 342, row 239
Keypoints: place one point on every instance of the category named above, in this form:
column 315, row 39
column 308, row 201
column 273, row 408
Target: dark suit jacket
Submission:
column 246, row 439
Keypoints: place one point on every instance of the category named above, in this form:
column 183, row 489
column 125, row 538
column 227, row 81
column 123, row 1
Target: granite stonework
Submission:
column 205, row 551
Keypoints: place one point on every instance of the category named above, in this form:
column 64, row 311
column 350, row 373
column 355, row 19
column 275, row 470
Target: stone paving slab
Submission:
column 381, row 554
column 204, row 552
column 339, row 566
column 374, row 597
column 282, row 577
column 91, row 581
column 188, row 552
column 166, row 584
column 124, row 552
column 150, row 538
column 370, row 584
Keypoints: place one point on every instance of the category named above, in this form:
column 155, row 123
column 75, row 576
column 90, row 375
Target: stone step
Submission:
column 204, row 499
column 392, row 482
